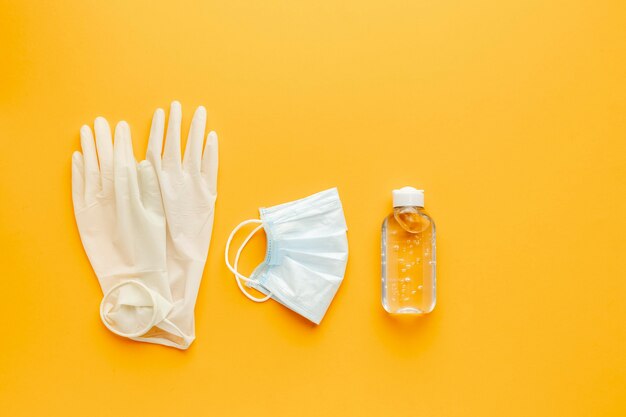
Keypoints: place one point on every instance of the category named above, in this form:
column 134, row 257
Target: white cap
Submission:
column 408, row 196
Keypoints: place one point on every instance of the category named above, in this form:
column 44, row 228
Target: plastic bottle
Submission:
column 408, row 256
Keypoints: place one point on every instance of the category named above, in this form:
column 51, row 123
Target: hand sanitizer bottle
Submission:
column 408, row 255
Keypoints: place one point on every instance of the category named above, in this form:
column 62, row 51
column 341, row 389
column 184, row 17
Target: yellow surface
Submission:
column 511, row 114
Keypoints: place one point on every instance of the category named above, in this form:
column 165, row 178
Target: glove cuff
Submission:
column 130, row 308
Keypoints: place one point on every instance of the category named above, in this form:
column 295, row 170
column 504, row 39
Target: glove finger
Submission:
column 155, row 143
column 209, row 162
column 124, row 166
column 193, row 150
column 171, row 153
column 92, row 172
column 78, row 181
column 149, row 188
column 104, row 145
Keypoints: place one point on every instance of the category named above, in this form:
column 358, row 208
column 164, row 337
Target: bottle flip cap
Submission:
column 408, row 196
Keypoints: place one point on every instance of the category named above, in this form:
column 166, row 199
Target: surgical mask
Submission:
column 307, row 252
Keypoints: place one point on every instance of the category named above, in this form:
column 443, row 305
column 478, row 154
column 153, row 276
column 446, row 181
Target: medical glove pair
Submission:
column 146, row 227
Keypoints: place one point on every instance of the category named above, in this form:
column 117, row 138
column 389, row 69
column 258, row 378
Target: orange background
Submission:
column 511, row 114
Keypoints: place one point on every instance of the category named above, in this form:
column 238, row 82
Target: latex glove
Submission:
column 189, row 190
column 120, row 218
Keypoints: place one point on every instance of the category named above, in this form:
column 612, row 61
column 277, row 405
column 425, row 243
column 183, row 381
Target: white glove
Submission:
column 189, row 190
column 120, row 217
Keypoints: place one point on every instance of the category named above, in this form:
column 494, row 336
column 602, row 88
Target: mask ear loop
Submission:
column 234, row 270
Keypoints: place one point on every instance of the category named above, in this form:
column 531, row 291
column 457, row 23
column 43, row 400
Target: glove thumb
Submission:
column 149, row 186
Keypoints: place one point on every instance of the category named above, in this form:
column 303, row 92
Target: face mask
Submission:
column 307, row 252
